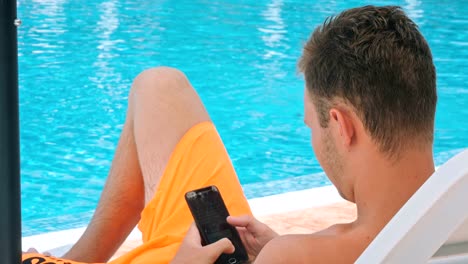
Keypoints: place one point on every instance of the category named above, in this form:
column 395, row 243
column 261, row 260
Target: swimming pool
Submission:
column 77, row 61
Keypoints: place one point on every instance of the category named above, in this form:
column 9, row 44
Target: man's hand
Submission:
column 254, row 233
column 191, row 251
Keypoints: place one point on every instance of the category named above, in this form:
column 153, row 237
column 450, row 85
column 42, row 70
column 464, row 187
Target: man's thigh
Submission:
column 164, row 106
column 198, row 160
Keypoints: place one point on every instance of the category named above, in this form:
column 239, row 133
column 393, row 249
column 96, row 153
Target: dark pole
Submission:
column 10, row 195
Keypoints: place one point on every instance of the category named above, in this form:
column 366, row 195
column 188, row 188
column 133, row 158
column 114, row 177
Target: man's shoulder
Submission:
column 337, row 244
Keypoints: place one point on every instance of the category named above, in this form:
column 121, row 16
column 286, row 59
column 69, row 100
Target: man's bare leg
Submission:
column 162, row 107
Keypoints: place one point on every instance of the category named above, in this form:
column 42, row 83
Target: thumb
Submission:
column 249, row 222
column 240, row 221
column 215, row 249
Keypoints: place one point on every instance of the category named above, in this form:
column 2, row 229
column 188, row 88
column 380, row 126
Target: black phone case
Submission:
column 210, row 213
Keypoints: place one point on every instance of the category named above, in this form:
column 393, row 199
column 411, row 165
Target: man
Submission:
column 370, row 103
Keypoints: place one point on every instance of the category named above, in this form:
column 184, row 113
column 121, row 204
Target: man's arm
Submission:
column 313, row 248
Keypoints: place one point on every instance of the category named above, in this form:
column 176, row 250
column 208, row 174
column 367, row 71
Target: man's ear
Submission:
column 344, row 123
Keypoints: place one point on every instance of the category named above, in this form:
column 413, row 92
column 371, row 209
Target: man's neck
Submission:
column 382, row 187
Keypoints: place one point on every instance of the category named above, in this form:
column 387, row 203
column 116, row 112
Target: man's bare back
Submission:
column 343, row 243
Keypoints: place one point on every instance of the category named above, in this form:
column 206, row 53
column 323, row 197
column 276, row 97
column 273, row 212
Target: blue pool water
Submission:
column 78, row 58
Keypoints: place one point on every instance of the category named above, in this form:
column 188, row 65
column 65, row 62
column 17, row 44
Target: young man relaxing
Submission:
column 370, row 97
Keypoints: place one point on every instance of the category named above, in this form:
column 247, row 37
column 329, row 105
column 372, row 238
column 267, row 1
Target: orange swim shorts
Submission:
column 198, row 160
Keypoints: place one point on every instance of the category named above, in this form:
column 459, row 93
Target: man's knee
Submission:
column 159, row 80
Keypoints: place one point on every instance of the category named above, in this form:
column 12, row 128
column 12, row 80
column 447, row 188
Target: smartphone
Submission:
column 210, row 213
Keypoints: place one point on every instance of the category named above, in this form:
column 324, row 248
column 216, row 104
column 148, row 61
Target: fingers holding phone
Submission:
column 210, row 214
column 254, row 234
column 192, row 251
